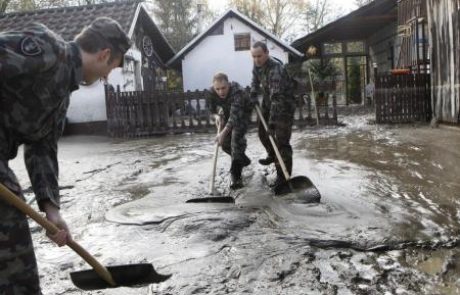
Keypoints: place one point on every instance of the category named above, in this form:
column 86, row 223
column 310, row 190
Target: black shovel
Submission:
column 99, row 277
column 298, row 184
column 212, row 189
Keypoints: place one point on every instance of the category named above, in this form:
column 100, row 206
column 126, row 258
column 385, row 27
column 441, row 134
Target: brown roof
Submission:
column 357, row 25
column 69, row 21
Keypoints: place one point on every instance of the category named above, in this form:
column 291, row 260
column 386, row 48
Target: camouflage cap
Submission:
column 111, row 31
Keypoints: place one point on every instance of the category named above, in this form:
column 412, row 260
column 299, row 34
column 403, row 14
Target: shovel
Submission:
column 212, row 189
column 293, row 185
column 99, row 277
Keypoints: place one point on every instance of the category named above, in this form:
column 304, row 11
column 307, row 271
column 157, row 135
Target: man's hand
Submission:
column 62, row 237
column 221, row 136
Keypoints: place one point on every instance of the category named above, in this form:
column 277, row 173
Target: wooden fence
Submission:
column 402, row 98
column 141, row 114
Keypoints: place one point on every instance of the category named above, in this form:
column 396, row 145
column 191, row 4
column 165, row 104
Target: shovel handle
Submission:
column 214, row 166
column 275, row 148
column 313, row 96
column 9, row 197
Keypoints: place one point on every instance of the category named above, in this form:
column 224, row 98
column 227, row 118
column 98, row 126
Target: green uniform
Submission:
column 278, row 106
column 235, row 110
column 38, row 71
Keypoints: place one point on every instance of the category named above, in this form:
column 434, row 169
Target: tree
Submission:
column 28, row 5
column 179, row 20
column 316, row 14
column 281, row 15
column 360, row 3
column 251, row 8
column 277, row 16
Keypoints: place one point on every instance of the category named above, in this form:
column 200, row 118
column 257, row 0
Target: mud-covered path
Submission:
column 387, row 223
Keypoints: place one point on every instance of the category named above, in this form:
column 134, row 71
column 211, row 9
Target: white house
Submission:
column 225, row 47
column 144, row 65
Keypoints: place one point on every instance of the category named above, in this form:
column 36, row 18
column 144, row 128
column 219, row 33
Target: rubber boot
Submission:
column 267, row 161
column 235, row 176
column 280, row 178
column 246, row 161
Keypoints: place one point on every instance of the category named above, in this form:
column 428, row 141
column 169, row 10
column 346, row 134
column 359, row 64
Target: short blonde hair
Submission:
column 220, row 77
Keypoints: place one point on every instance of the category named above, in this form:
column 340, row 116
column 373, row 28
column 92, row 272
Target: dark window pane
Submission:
column 242, row 41
column 332, row 48
column 356, row 47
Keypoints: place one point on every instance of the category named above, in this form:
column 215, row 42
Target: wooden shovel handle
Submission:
column 275, row 148
column 214, row 166
column 313, row 96
column 7, row 196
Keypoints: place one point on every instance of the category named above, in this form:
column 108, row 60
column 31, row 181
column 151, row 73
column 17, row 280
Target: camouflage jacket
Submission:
column 38, row 71
column 274, row 83
column 236, row 107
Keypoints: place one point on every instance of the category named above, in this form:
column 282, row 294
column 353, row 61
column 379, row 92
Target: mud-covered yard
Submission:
column 388, row 221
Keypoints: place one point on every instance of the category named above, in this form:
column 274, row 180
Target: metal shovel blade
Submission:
column 299, row 185
column 212, row 200
column 123, row 275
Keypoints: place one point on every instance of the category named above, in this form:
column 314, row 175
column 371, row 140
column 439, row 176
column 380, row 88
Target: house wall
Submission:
column 217, row 53
column 444, row 34
column 87, row 104
column 380, row 50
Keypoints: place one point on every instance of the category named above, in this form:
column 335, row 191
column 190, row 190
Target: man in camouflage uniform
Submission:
column 270, row 78
column 232, row 110
column 38, row 71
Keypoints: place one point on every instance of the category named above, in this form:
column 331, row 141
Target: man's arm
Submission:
column 236, row 111
column 42, row 165
column 255, row 86
column 25, row 54
column 276, row 80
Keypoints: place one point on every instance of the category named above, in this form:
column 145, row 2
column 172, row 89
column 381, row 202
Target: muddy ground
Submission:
column 388, row 221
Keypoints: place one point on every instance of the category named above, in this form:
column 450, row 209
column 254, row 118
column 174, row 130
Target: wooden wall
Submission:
column 444, row 33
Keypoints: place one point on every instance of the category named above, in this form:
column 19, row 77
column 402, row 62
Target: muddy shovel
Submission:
column 298, row 184
column 99, row 277
column 215, row 198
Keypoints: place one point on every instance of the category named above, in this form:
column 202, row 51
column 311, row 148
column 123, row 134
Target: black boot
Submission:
column 280, row 186
column 267, row 161
column 235, row 175
column 245, row 161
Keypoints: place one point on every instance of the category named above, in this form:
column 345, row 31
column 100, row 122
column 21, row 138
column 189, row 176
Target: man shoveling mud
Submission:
column 38, row 71
column 232, row 110
column 270, row 78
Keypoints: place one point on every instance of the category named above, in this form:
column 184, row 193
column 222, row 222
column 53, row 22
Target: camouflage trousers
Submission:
column 18, row 266
column 235, row 143
column 283, row 131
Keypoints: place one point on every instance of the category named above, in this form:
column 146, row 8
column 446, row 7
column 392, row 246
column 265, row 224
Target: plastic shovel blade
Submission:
column 123, row 275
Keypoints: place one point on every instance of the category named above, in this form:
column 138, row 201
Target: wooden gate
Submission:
column 402, row 98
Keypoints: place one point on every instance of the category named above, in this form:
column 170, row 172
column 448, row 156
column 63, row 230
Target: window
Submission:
column 332, row 48
column 355, row 47
column 242, row 41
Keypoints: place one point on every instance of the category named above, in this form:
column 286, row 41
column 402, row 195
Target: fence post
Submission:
column 334, row 109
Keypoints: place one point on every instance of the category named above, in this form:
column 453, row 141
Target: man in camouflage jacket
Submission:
column 232, row 110
column 270, row 78
column 38, row 71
